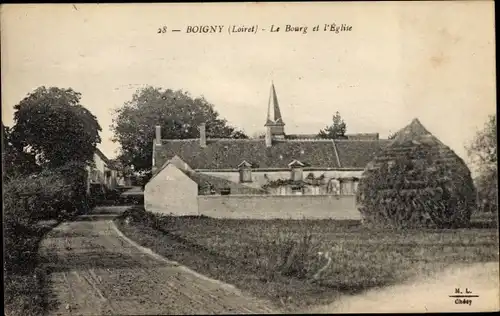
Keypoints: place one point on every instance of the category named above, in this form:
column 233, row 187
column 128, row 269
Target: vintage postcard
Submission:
column 234, row 158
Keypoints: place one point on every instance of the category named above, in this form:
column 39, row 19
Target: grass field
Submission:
column 278, row 259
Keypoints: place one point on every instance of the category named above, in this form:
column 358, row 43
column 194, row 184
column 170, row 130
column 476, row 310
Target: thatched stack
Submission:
column 416, row 181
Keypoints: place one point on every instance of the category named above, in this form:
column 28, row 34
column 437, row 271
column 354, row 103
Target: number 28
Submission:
column 162, row 29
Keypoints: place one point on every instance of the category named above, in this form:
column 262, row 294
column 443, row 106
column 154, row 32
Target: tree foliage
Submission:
column 52, row 125
column 335, row 131
column 483, row 149
column 483, row 153
column 15, row 162
column 178, row 114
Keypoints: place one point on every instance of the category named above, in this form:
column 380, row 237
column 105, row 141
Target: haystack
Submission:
column 416, row 181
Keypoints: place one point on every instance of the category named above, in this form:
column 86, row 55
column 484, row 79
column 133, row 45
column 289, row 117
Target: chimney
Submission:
column 203, row 135
column 269, row 136
column 158, row 135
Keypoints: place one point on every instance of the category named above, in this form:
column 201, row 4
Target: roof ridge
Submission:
column 336, row 153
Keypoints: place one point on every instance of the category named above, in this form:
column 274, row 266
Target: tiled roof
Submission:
column 357, row 153
column 102, row 155
column 216, row 183
column 302, row 136
column 363, row 136
column 219, row 184
column 229, row 153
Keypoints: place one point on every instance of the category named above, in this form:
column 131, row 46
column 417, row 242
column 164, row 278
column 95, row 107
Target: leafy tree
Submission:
column 335, row 131
column 483, row 149
column 483, row 154
column 178, row 114
column 52, row 125
column 15, row 162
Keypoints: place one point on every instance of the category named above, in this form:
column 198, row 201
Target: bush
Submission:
column 48, row 195
column 38, row 197
column 292, row 256
column 137, row 214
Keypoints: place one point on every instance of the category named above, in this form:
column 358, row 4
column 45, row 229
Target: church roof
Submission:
column 229, row 153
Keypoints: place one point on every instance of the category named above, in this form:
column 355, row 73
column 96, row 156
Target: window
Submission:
column 297, row 174
column 296, row 167
column 333, row 187
column 346, row 187
column 246, row 175
column 245, row 171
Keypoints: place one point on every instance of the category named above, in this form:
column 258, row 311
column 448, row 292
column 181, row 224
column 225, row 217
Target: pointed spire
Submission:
column 273, row 108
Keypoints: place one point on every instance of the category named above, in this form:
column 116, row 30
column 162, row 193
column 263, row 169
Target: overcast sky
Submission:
column 431, row 60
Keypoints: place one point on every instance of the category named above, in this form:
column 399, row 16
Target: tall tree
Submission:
column 52, row 125
column 336, row 130
column 178, row 114
column 483, row 153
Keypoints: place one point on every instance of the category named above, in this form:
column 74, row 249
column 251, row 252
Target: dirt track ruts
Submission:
column 94, row 271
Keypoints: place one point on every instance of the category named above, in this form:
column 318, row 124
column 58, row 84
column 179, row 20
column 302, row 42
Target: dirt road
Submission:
column 95, row 271
column 429, row 295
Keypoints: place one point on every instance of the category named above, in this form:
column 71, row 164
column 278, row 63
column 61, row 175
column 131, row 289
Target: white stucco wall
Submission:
column 171, row 192
column 99, row 163
column 98, row 173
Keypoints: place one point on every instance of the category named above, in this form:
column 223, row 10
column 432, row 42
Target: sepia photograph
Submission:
column 249, row 158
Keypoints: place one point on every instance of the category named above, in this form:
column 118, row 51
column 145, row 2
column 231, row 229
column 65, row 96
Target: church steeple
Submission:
column 275, row 127
column 273, row 108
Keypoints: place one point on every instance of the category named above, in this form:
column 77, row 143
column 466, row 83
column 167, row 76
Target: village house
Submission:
column 277, row 165
column 104, row 175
